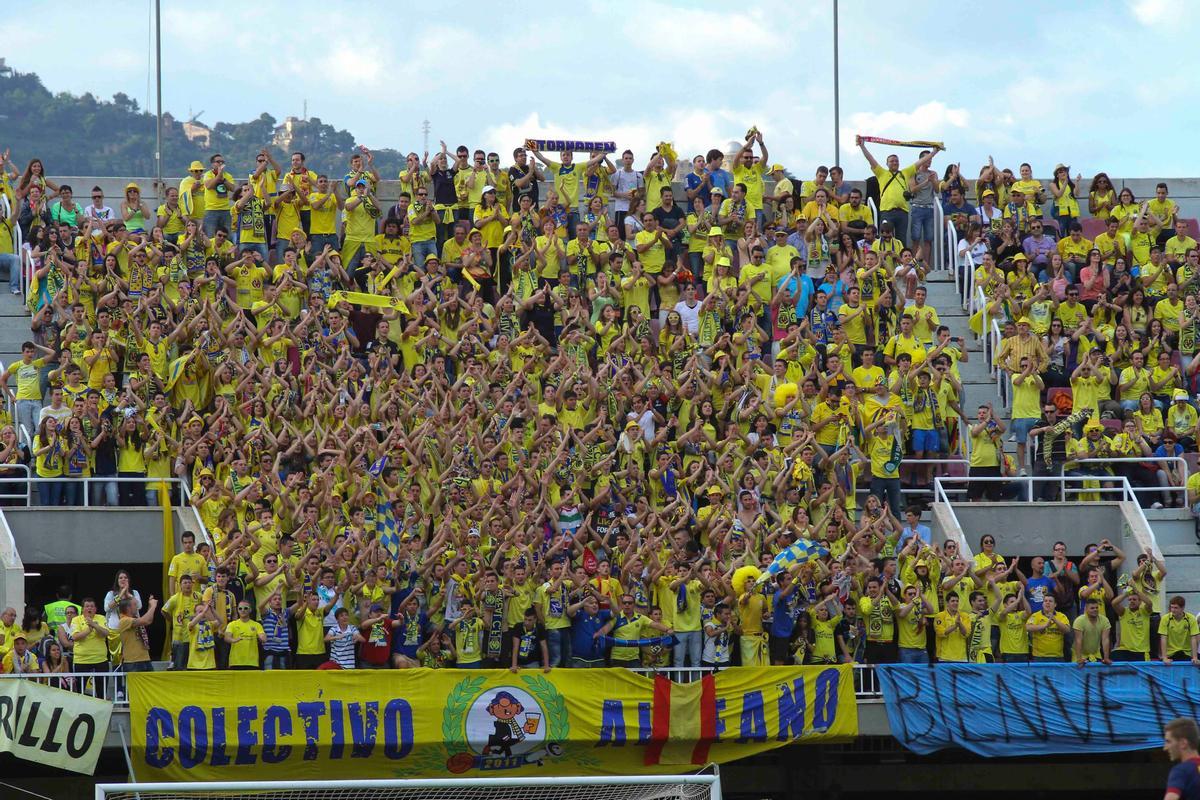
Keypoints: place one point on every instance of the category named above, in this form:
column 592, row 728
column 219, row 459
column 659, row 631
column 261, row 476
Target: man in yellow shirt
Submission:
column 218, row 193
column 1178, row 633
column 952, row 628
column 1166, row 210
column 243, row 635
column 750, row 173
column 1177, row 246
column 855, row 216
column 191, row 192
column 1047, row 627
column 893, row 187
column 189, row 562
column 91, row 642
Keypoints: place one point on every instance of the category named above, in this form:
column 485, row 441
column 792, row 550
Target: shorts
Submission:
column 920, row 224
column 926, row 441
column 1021, row 426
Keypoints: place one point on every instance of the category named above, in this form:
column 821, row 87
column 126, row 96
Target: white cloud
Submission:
column 1156, row 12
column 668, row 33
column 933, row 121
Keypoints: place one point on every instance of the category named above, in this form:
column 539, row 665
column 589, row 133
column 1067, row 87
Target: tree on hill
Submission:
column 85, row 135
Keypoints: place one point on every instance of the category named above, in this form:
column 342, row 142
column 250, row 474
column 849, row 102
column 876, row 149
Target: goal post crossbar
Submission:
column 148, row 790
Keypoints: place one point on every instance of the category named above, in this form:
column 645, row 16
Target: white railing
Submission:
column 939, row 242
column 1003, row 381
column 1178, row 461
column 950, row 240
column 112, row 685
column 1119, row 485
column 875, row 214
column 103, row 685
column 26, row 493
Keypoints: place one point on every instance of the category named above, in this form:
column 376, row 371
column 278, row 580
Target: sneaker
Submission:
column 1156, row 505
column 1022, row 474
column 16, row 291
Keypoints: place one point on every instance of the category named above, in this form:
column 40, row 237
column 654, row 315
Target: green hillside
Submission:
column 85, row 135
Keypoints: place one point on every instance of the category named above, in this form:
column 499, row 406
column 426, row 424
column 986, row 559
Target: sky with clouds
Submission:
column 1079, row 82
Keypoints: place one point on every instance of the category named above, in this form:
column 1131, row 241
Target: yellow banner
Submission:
column 443, row 723
column 364, row 299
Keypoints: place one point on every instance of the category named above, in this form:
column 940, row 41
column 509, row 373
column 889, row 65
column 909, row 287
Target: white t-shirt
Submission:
column 689, row 315
column 624, row 182
column 102, row 213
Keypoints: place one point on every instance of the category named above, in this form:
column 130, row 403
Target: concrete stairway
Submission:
column 14, row 326
column 978, row 385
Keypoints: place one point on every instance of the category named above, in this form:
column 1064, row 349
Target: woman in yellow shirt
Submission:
column 1101, row 198
column 131, row 461
column 48, row 461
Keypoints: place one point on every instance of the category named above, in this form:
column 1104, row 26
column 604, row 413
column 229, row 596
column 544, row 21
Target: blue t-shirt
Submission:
column 584, row 643
column 1036, row 590
column 722, row 178
column 783, row 614
column 1184, row 779
column 693, row 181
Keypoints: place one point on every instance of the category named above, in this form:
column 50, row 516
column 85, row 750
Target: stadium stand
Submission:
column 575, row 413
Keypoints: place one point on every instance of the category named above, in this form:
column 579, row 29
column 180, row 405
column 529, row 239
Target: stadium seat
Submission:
column 1193, row 227
column 1092, row 227
column 1112, row 426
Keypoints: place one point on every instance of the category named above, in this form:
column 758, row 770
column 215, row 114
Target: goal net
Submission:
column 637, row 787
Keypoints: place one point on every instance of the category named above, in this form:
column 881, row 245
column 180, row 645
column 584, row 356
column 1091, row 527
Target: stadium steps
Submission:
column 14, row 326
column 978, row 385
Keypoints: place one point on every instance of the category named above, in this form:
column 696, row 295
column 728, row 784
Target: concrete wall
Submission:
column 81, row 536
column 12, row 571
column 1029, row 529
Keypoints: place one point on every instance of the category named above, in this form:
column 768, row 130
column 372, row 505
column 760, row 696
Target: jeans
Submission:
column 12, row 263
column 899, row 219
column 888, row 490
column 50, row 493
column 256, row 247
column 138, row 666
column 319, row 240
column 132, row 493
column 72, row 493
column 274, row 660
column 921, row 220
column 214, row 218
column 27, row 414
column 911, row 655
column 179, row 655
column 104, row 493
column 688, row 645
column 558, row 642
column 421, row 250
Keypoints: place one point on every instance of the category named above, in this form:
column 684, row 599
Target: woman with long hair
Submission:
column 1064, row 208
column 131, row 461
column 1101, row 197
column 48, row 460
column 121, row 589
column 35, row 175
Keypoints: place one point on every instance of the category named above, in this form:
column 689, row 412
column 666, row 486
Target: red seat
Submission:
column 1112, row 426
column 1058, row 391
column 1051, row 226
column 1193, row 226
column 1092, row 227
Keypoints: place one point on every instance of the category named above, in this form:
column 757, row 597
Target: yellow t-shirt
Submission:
column 752, row 177
column 218, row 198
column 951, row 642
column 1048, row 643
column 653, row 258
column 245, row 652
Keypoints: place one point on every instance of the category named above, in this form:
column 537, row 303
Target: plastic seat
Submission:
column 1092, row 227
column 1112, row 426
column 1193, row 227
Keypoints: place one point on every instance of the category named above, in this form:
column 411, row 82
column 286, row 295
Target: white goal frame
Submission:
column 148, row 790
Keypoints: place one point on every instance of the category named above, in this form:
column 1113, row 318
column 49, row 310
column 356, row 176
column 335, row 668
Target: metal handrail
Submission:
column 950, row 236
column 1179, row 461
column 112, row 685
column 939, row 242
column 30, row 480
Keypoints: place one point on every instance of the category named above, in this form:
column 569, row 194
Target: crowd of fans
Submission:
column 553, row 414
